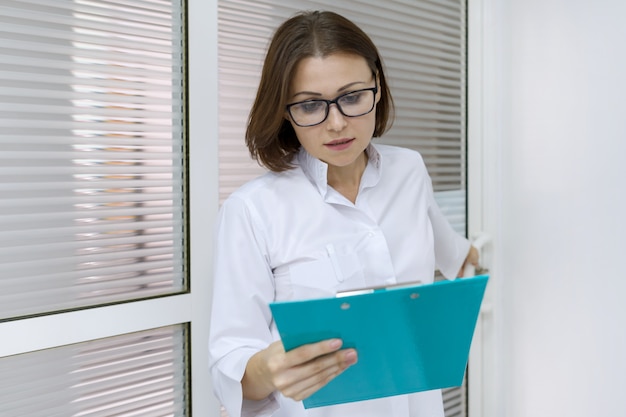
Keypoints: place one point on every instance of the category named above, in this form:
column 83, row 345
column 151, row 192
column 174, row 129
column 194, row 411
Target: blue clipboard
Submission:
column 408, row 339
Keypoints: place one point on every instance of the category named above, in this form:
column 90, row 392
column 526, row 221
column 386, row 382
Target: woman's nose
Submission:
column 336, row 120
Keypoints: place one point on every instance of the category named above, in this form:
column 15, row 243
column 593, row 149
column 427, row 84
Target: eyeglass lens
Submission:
column 313, row 112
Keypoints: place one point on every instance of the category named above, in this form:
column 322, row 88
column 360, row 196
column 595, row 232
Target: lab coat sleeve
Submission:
column 240, row 319
column 451, row 248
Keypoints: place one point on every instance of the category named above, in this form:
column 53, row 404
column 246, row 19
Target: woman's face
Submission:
column 339, row 140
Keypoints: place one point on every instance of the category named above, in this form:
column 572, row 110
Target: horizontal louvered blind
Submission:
column 452, row 205
column 423, row 47
column 455, row 402
column 91, row 153
column 139, row 374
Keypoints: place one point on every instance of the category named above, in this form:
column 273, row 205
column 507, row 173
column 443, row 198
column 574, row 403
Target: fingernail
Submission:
column 350, row 357
column 335, row 343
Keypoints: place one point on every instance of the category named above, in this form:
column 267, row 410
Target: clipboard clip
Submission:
column 369, row 290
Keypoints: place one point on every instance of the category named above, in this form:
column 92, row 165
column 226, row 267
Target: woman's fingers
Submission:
column 302, row 381
column 300, row 372
column 297, row 373
column 472, row 259
column 306, row 353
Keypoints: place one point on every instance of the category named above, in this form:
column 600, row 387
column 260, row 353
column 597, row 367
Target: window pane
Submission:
column 139, row 374
column 91, row 153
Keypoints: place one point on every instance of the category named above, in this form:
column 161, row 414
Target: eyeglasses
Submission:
column 313, row 112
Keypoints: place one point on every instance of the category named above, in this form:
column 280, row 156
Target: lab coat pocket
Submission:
column 339, row 271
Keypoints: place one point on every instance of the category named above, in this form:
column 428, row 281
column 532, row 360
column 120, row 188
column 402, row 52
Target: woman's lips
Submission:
column 339, row 144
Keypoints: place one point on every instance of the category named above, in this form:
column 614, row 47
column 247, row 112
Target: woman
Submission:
column 335, row 212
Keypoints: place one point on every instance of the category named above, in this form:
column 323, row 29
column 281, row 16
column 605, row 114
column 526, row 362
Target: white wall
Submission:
column 561, row 293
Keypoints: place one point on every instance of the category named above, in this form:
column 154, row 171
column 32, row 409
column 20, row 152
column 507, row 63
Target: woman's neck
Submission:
column 347, row 180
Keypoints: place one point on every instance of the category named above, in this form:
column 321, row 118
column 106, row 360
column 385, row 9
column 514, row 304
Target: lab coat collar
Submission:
column 317, row 171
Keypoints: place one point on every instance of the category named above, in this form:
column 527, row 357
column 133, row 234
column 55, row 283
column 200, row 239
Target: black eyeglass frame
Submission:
column 336, row 102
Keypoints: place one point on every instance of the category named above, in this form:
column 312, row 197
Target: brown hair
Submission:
column 270, row 137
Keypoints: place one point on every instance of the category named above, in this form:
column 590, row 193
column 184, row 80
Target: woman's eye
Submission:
column 352, row 98
column 310, row 106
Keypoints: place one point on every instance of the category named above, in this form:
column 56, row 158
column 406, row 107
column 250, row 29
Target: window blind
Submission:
column 452, row 205
column 91, row 153
column 423, row 45
column 139, row 374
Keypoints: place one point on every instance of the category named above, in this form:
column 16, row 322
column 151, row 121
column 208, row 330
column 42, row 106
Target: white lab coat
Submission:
column 291, row 236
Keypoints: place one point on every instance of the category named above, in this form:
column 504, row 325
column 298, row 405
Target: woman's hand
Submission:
column 296, row 374
column 471, row 259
